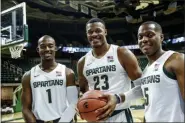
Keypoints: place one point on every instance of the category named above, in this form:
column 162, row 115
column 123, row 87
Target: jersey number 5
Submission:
column 97, row 84
column 49, row 95
column 146, row 95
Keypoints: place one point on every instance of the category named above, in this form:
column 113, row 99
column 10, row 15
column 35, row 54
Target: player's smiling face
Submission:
column 96, row 34
column 149, row 39
column 47, row 49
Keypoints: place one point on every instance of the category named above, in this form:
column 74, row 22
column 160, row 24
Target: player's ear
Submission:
column 37, row 49
column 105, row 32
column 56, row 48
column 162, row 37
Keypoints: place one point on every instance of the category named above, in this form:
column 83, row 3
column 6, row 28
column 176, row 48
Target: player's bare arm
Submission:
column 70, row 76
column 26, row 99
column 129, row 63
column 175, row 64
column 81, row 78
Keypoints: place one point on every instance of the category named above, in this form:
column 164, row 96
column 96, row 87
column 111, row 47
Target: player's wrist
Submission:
column 118, row 98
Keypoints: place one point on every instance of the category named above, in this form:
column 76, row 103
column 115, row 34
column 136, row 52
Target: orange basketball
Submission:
column 88, row 104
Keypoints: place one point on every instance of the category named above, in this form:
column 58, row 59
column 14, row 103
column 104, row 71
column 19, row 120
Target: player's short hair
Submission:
column 45, row 37
column 94, row 20
column 157, row 26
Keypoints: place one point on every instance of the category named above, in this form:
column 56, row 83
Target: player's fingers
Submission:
column 103, row 109
column 104, row 115
column 103, row 96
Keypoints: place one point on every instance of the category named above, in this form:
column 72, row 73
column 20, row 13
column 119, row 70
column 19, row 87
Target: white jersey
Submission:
column 164, row 102
column 48, row 92
column 107, row 74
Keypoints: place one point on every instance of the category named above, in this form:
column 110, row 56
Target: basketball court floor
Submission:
column 17, row 117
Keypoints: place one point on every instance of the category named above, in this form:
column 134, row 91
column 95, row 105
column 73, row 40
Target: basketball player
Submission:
column 48, row 87
column 162, row 82
column 108, row 68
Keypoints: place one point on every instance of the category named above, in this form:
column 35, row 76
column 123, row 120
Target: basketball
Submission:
column 88, row 104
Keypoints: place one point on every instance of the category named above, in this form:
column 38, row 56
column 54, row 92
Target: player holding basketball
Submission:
column 47, row 87
column 162, row 82
column 108, row 68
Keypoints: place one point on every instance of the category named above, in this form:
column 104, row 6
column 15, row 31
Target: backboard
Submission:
column 14, row 29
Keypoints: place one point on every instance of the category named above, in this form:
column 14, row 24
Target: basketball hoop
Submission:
column 16, row 50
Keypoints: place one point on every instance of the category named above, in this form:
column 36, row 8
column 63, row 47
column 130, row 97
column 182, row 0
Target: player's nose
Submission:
column 94, row 34
column 47, row 48
column 144, row 39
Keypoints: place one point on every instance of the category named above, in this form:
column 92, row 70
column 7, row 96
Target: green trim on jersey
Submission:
column 169, row 74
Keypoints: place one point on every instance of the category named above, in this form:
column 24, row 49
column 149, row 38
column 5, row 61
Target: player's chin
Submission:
column 146, row 52
column 48, row 58
column 96, row 45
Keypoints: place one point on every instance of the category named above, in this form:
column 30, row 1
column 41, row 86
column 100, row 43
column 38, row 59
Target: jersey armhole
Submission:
column 169, row 74
column 118, row 58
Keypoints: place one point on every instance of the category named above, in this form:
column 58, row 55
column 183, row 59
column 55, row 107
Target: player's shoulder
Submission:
column 176, row 56
column 69, row 71
column 26, row 77
column 27, row 74
column 81, row 60
column 124, row 51
column 175, row 61
column 66, row 68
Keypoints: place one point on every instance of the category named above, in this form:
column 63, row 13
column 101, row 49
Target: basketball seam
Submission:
column 90, row 98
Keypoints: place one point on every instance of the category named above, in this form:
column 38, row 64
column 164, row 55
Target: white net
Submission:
column 16, row 50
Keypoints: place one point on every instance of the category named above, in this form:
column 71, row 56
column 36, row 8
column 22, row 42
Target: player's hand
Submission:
column 77, row 112
column 108, row 109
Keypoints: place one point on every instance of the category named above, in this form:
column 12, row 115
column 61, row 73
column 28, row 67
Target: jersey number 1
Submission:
column 49, row 95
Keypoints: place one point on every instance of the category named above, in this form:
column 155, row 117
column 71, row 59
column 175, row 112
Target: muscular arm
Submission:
column 70, row 77
column 81, row 78
column 129, row 63
column 131, row 66
column 26, row 99
column 176, row 65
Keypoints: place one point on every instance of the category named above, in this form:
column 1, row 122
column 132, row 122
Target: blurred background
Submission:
column 65, row 21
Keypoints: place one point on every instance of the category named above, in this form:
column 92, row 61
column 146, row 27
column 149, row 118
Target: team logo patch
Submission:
column 58, row 73
column 110, row 58
column 156, row 67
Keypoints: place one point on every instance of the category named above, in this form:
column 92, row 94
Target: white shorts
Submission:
column 124, row 116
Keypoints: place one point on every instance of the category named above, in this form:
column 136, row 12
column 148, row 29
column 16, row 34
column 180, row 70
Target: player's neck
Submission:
column 101, row 51
column 49, row 64
column 155, row 56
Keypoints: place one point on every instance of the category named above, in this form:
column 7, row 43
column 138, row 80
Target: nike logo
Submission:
column 36, row 75
column 89, row 64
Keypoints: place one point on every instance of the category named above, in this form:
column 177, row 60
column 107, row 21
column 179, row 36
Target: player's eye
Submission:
column 89, row 32
column 42, row 46
column 51, row 46
column 98, row 30
column 150, row 35
column 140, row 37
